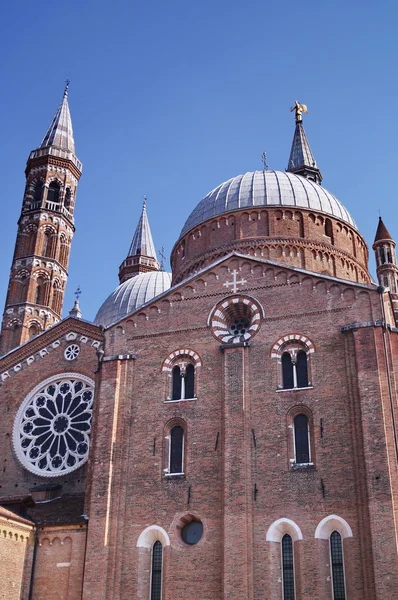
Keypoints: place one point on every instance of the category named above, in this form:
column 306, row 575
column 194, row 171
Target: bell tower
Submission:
column 39, row 269
column 386, row 263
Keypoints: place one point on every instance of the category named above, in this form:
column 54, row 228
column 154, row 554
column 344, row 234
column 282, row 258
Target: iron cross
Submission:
column 234, row 282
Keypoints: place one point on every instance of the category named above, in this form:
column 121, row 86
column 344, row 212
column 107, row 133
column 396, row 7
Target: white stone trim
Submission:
column 333, row 523
column 283, row 526
column 153, row 534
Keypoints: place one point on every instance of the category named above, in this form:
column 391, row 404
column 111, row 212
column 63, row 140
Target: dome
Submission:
column 132, row 294
column 266, row 188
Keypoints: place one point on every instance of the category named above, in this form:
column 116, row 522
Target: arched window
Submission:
column 301, row 439
column 287, row 371
column 336, row 553
column 183, row 381
column 329, row 229
column 176, row 383
column 38, row 193
column 176, row 464
column 53, row 192
column 39, row 291
column 68, row 198
column 302, row 369
column 287, row 568
column 294, row 370
column 156, row 571
column 189, row 381
column 33, row 330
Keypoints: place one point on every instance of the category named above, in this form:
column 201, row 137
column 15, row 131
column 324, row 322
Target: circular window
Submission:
column 53, row 424
column 192, row 532
column 239, row 326
column 72, row 352
column 236, row 319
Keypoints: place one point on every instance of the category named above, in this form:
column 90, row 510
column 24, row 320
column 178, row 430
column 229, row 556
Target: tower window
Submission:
column 53, row 192
column 301, row 369
column 189, row 381
column 301, row 439
column 176, row 450
column 39, row 291
column 156, row 571
column 68, row 198
column 336, row 553
column 287, row 568
column 287, row 371
column 38, row 193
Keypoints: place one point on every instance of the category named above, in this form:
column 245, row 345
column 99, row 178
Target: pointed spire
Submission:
column 142, row 240
column 301, row 160
column 382, row 232
column 141, row 255
column 60, row 132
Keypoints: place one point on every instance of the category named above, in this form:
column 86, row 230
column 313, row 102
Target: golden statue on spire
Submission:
column 300, row 109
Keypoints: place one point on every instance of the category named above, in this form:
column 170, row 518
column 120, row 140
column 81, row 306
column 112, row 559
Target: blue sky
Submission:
column 171, row 99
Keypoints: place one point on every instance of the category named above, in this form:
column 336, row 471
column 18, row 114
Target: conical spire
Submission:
column 301, row 160
column 382, row 232
column 60, row 132
column 141, row 257
column 142, row 241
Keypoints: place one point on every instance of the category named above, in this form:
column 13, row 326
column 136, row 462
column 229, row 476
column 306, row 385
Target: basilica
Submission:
column 228, row 430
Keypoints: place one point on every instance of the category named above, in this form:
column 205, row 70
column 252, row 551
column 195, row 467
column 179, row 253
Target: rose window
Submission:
column 72, row 352
column 236, row 319
column 52, row 428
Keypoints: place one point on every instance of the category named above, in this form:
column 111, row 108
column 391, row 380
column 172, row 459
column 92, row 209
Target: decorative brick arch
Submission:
column 174, row 357
column 302, row 340
column 153, row 534
column 333, row 523
column 279, row 528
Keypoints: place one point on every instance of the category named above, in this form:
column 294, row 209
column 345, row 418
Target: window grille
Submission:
column 287, row 371
column 176, row 393
column 190, row 381
column 336, row 552
column 156, row 574
column 287, row 567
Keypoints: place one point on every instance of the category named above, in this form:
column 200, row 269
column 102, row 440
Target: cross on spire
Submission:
column 163, row 258
column 78, row 293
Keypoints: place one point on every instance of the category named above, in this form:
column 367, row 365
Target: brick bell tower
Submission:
column 39, row 269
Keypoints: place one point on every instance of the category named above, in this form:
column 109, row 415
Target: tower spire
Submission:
column 39, row 270
column 302, row 161
column 386, row 262
column 60, row 132
column 141, row 256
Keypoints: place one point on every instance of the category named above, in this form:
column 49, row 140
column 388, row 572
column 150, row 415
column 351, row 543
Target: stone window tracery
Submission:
column 52, row 427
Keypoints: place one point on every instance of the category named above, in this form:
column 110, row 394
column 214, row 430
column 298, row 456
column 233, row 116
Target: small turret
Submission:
column 141, row 257
column 386, row 262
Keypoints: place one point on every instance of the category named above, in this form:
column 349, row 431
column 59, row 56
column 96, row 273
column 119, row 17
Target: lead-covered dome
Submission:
column 267, row 188
column 132, row 294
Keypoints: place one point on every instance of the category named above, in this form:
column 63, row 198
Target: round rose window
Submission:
column 52, row 427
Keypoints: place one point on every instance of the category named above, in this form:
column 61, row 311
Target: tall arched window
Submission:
column 176, row 383
column 287, row 567
column 156, row 571
column 301, row 439
column 176, row 450
column 39, row 291
column 189, row 381
column 336, row 553
column 53, row 192
column 302, row 369
column 287, row 371
column 38, row 193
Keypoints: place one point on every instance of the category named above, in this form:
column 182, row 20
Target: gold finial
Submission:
column 300, row 109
